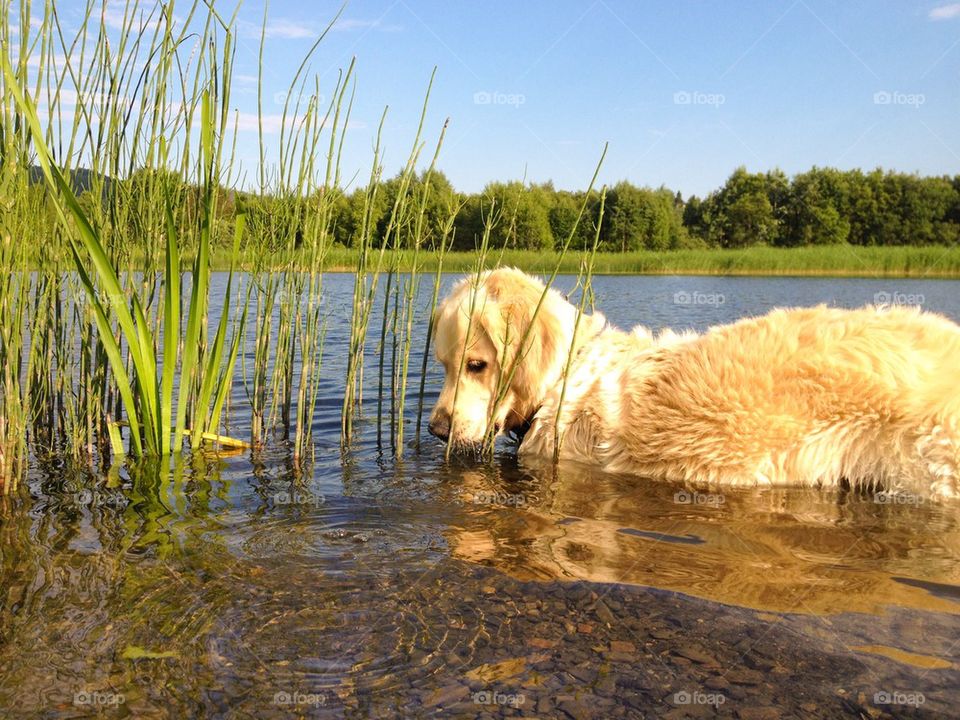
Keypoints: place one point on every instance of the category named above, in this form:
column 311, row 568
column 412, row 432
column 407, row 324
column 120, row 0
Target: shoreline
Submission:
column 852, row 275
column 844, row 261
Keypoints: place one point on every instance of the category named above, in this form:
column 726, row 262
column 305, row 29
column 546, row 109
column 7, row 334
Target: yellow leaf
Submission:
column 498, row 671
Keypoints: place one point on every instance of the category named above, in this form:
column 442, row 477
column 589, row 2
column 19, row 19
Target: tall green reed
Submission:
column 367, row 280
column 122, row 303
column 293, row 232
column 490, row 222
column 506, row 376
column 585, row 284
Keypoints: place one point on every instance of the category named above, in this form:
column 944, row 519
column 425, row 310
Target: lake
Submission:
column 223, row 586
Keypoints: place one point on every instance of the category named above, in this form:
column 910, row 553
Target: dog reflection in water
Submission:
column 763, row 548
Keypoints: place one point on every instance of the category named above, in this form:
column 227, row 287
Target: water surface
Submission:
column 225, row 586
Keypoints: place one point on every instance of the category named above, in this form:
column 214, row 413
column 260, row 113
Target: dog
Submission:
column 811, row 397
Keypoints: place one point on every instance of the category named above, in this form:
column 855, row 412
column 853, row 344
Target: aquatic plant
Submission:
column 121, row 311
column 118, row 149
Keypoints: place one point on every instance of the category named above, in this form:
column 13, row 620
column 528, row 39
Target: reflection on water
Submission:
column 802, row 551
column 221, row 585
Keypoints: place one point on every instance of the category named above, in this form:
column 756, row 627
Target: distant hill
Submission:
column 81, row 179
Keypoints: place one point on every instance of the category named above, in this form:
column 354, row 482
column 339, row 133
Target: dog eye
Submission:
column 476, row 366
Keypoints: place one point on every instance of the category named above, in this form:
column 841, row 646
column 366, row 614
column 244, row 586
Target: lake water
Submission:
column 222, row 586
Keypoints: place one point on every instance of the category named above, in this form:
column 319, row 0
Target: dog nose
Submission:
column 440, row 425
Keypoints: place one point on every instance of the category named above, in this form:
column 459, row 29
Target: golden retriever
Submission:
column 804, row 397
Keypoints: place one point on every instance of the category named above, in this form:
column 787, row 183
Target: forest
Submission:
column 820, row 207
column 823, row 206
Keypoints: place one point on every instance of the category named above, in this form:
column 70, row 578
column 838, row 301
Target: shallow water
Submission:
column 222, row 586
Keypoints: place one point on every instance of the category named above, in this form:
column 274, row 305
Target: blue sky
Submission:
column 683, row 91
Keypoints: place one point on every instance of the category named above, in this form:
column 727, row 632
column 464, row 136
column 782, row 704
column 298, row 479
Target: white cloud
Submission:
column 14, row 27
column 278, row 28
column 286, row 29
column 69, row 100
column 115, row 17
column 249, row 122
column 289, row 30
column 273, row 122
column 945, row 12
column 59, row 61
column 358, row 24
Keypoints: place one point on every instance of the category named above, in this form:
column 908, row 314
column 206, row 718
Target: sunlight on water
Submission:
column 783, row 550
column 221, row 585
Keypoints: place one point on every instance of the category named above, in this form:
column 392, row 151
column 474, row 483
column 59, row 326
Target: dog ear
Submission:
column 539, row 357
column 514, row 319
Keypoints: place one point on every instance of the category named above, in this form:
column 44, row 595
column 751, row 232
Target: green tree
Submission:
column 524, row 216
column 563, row 215
column 813, row 213
column 641, row 218
column 741, row 213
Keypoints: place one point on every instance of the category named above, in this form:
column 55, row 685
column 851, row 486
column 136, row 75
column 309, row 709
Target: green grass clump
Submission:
column 106, row 325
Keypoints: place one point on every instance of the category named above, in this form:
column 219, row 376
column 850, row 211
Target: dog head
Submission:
column 503, row 343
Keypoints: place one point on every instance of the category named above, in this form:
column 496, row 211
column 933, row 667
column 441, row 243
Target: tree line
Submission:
column 822, row 206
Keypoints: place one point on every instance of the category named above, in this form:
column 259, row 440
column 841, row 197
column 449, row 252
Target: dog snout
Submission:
column 440, row 425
